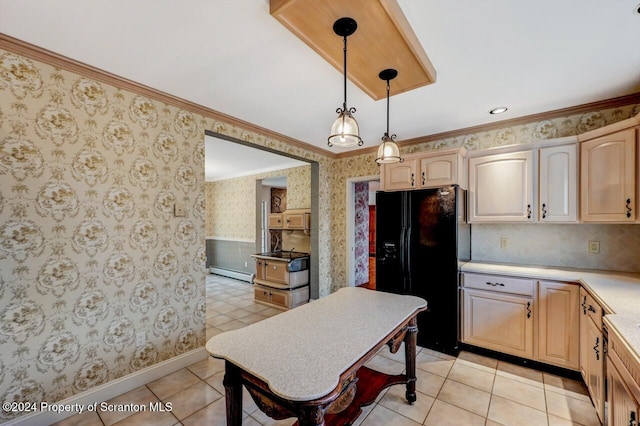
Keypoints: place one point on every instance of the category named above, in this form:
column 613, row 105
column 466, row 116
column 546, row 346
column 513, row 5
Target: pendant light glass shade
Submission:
column 345, row 132
column 388, row 151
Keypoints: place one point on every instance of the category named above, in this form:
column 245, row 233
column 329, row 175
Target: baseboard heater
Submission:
column 242, row 276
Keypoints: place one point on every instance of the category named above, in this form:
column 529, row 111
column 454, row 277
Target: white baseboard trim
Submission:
column 243, row 276
column 111, row 389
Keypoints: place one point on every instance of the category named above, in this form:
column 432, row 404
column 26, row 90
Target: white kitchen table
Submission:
column 309, row 362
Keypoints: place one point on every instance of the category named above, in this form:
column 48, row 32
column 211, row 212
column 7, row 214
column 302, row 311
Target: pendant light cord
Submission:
column 387, row 134
column 344, row 105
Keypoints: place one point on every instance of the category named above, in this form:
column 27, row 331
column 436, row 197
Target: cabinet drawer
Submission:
column 261, row 294
column 590, row 308
column 523, row 286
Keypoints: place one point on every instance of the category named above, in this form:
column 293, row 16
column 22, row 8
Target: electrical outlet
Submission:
column 504, row 242
column 141, row 338
column 594, row 247
column 246, row 264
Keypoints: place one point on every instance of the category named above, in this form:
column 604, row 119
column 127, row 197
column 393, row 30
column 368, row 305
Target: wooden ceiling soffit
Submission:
column 384, row 39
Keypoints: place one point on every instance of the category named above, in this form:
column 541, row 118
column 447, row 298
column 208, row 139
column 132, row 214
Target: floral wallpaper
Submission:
column 231, row 203
column 91, row 253
column 361, row 229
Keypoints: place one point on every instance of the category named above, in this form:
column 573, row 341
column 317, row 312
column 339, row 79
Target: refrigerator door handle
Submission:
column 402, row 249
column 407, row 245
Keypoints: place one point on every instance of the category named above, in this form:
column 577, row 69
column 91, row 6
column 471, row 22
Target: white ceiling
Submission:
column 227, row 160
column 232, row 56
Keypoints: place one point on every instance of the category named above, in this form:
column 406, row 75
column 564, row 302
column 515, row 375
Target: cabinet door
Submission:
column 275, row 220
column 499, row 322
column 558, row 324
column 583, row 333
column 260, row 269
column 439, row 171
column 558, row 184
column 398, row 176
column 501, row 188
column 623, row 408
column 294, row 220
column 607, row 185
column 276, row 271
column 592, row 344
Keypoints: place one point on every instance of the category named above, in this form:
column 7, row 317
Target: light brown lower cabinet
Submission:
column 285, row 299
column 531, row 319
column 592, row 350
column 623, row 383
column 623, row 408
column 558, row 324
column 499, row 322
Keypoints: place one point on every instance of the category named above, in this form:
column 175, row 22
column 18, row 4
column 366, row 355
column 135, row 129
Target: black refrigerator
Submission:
column 421, row 238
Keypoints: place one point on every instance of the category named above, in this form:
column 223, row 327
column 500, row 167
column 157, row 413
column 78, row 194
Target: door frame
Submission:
column 350, row 219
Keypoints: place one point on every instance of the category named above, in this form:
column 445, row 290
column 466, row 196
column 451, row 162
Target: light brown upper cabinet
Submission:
column 430, row 169
column 275, row 221
column 539, row 184
column 501, row 188
column 558, row 184
column 297, row 219
column 608, row 170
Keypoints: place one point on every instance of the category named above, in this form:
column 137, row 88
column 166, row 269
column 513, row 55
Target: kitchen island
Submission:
column 308, row 362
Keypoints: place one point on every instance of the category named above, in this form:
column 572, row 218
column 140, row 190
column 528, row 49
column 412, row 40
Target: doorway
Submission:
column 361, row 224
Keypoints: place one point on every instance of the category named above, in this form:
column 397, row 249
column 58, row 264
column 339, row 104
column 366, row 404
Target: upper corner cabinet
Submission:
column 501, row 188
column 607, row 184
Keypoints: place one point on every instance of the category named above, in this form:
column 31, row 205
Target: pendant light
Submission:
column 388, row 151
column 345, row 132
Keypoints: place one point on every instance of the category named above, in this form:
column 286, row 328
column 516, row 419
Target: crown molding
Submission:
column 562, row 112
column 31, row 51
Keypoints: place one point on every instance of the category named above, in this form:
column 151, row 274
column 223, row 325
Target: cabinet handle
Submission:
column 495, row 284
column 595, row 348
column 591, row 309
column 544, row 211
column 584, row 305
column 528, row 309
column 528, row 211
column 628, row 206
column 275, row 268
column 413, row 180
column 632, row 418
column 424, row 179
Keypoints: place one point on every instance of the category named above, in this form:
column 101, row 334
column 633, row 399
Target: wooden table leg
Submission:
column 410, row 342
column 233, row 394
column 311, row 415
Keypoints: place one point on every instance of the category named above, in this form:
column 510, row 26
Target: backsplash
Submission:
column 560, row 245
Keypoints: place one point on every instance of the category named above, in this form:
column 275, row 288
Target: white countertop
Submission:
column 618, row 292
column 301, row 353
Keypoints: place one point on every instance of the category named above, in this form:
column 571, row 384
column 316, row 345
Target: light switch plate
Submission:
column 179, row 210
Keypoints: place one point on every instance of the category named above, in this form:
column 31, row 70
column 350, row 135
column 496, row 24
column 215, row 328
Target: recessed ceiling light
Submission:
column 498, row 110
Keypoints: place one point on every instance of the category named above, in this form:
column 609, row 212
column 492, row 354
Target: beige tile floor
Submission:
column 467, row 390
